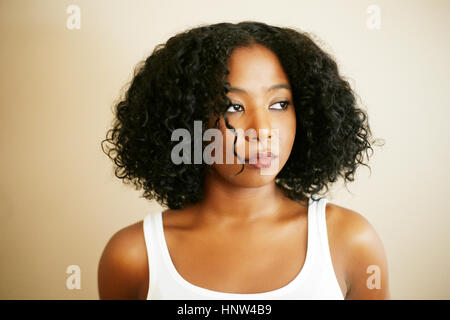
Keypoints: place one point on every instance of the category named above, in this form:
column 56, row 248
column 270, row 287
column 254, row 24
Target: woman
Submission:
column 233, row 230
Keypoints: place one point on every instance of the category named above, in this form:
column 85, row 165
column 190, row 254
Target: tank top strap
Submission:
column 152, row 237
column 323, row 234
column 326, row 284
column 313, row 234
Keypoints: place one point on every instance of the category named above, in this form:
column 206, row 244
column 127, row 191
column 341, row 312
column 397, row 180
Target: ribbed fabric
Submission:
column 316, row 280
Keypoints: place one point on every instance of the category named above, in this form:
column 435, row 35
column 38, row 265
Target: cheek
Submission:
column 228, row 140
column 241, row 146
column 287, row 130
column 289, row 135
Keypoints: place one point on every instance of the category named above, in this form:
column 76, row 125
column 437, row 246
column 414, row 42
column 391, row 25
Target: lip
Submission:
column 261, row 160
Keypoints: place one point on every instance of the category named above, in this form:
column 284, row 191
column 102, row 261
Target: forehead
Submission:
column 256, row 67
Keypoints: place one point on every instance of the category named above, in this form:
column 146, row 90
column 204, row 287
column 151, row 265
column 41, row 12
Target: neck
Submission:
column 227, row 203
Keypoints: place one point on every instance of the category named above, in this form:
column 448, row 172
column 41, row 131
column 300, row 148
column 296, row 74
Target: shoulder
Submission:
column 361, row 251
column 354, row 228
column 123, row 266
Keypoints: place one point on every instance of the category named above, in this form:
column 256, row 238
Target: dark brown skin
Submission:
column 227, row 242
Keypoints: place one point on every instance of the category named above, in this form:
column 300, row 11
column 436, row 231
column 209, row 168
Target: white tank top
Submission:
column 316, row 279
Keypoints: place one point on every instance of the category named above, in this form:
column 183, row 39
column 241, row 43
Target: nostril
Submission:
column 250, row 134
column 260, row 135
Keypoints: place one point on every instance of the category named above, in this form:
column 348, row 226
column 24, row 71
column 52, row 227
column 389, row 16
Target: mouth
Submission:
column 261, row 160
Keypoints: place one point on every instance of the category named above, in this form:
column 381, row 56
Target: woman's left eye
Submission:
column 281, row 105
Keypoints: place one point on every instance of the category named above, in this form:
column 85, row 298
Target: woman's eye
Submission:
column 280, row 105
column 235, row 108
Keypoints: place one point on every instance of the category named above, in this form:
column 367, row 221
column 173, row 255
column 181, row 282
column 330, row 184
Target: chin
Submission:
column 248, row 178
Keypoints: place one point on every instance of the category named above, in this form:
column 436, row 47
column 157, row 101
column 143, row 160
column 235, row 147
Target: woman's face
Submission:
column 261, row 100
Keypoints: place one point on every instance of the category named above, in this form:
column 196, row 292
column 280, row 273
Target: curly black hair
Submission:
column 185, row 80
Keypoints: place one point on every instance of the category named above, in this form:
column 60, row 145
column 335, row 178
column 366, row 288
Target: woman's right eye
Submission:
column 235, row 108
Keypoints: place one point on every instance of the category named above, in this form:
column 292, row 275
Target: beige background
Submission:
column 59, row 199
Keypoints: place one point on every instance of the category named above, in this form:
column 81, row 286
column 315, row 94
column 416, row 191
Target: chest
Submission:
column 237, row 261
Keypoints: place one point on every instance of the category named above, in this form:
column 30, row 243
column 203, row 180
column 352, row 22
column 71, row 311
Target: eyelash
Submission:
column 284, row 103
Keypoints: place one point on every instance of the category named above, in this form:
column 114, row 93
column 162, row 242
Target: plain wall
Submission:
column 60, row 201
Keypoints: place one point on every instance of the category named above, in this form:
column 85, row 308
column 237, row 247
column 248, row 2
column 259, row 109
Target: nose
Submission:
column 259, row 120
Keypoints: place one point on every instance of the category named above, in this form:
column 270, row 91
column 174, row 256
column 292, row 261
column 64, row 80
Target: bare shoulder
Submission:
column 353, row 227
column 361, row 253
column 123, row 266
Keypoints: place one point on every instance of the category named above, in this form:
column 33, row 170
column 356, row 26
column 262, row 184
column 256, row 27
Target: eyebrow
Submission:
column 274, row 87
